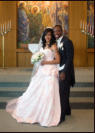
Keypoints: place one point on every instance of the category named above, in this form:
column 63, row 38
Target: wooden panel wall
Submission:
column 8, row 11
column 78, row 10
column 23, row 58
column 13, row 58
column 90, row 57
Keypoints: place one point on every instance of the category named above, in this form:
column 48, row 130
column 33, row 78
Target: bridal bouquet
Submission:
column 38, row 56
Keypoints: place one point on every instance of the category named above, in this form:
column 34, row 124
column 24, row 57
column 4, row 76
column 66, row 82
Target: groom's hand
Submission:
column 62, row 76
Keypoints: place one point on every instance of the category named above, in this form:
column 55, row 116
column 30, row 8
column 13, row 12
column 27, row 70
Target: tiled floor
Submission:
column 13, row 81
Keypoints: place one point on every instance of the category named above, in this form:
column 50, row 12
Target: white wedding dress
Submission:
column 40, row 103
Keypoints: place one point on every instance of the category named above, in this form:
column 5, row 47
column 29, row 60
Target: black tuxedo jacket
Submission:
column 66, row 57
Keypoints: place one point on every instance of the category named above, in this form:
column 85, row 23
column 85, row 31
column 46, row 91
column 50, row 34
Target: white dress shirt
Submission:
column 58, row 44
column 59, row 41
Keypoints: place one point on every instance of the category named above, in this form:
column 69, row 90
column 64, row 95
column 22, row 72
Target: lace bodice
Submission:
column 49, row 54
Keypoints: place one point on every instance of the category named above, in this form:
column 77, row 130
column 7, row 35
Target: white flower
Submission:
column 61, row 45
column 62, row 48
column 37, row 57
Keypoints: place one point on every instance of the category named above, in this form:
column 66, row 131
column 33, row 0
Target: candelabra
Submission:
column 5, row 28
column 87, row 29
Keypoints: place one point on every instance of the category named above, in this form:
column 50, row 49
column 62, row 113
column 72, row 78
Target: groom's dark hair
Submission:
column 59, row 27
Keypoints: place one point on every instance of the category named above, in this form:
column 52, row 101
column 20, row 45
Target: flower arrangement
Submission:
column 61, row 46
column 38, row 56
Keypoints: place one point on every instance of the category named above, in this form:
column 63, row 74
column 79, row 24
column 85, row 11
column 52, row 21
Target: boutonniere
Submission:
column 61, row 45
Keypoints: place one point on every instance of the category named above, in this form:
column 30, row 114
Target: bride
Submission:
column 40, row 103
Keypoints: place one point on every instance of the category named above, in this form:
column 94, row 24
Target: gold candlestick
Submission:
column 3, row 32
column 3, row 51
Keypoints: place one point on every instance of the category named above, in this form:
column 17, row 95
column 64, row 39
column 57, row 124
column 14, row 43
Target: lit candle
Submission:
column 85, row 27
column 93, row 31
column 81, row 24
column 90, row 28
column 10, row 24
column 3, row 27
column 7, row 26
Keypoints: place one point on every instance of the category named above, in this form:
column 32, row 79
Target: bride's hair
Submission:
column 53, row 39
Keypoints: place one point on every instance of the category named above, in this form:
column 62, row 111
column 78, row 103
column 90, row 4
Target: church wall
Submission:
column 21, row 58
column 8, row 11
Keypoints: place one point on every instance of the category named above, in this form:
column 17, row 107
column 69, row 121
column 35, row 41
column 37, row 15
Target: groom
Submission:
column 66, row 70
